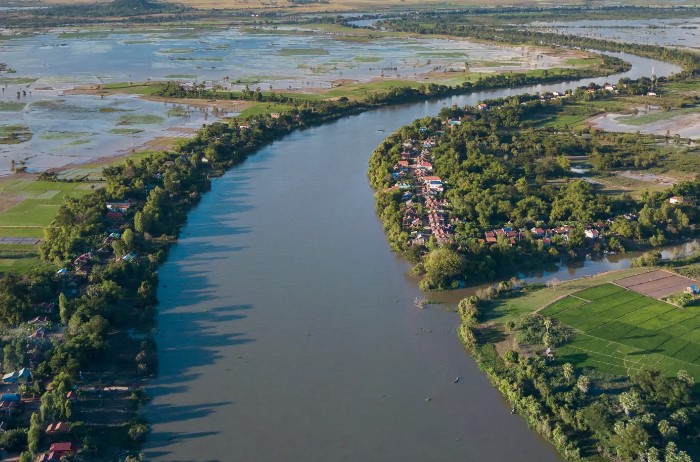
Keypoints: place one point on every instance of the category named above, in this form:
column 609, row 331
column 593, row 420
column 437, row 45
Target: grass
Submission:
column 504, row 310
column 11, row 106
column 178, row 112
column 14, row 134
column 145, row 119
column 17, row 80
column 142, row 88
column 63, row 135
column 125, row 131
column 302, row 52
column 619, row 331
column 264, row 108
column 38, row 207
column 368, row 59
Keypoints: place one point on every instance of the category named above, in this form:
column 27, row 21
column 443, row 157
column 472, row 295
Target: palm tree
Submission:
column 568, row 371
column 547, row 324
column 583, row 383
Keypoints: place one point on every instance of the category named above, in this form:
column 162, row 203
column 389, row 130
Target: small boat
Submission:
column 456, row 380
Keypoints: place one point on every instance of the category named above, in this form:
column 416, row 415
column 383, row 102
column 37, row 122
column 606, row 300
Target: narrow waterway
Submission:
column 287, row 330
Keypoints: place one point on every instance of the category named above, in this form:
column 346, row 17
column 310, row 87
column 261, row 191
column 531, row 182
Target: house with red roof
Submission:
column 58, row 450
column 57, row 427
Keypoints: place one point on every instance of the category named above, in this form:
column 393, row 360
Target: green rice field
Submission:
column 620, row 331
column 35, row 204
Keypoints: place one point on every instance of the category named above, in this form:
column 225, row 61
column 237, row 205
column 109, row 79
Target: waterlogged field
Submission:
column 45, row 125
column 293, row 58
column 665, row 32
column 684, row 122
column 622, row 331
column 54, row 131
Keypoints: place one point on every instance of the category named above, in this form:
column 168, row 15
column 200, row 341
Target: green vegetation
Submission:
column 63, row 135
column 594, row 391
column 302, row 52
column 4, row 80
column 14, row 134
column 39, row 201
column 178, row 112
column 11, row 106
column 125, row 131
column 134, row 119
column 503, row 175
column 367, row 59
column 621, row 332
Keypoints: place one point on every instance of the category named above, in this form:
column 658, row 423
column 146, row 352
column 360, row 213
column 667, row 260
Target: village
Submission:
column 92, row 400
column 426, row 212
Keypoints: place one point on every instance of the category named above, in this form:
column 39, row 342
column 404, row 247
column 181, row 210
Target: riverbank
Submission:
column 572, row 384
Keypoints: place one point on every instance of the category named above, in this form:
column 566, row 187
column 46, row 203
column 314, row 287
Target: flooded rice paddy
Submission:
column 684, row 33
column 655, row 121
column 294, row 58
column 41, row 127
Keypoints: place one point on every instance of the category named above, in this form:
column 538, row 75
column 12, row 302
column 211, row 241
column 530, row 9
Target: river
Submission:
column 287, row 330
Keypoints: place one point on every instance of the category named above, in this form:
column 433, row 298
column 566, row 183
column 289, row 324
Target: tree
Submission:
column 631, row 440
column 128, row 239
column 583, row 384
column 547, row 323
column 672, row 454
column 441, row 266
column 63, row 308
column 667, row 430
column 511, row 356
column 14, row 440
column 139, row 222
column 35, row 433
column 138, row 432
column 568, row 371
column 630, row 402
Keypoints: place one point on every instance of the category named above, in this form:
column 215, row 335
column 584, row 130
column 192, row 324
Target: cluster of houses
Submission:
column 116, row 211
column 538, row 233
column 413, row 175
column 9, row 405
column 57, row 452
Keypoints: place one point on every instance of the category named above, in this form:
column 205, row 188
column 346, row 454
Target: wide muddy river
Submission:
column 287, row 330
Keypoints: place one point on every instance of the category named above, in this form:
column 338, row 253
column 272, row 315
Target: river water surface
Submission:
column 287, row 330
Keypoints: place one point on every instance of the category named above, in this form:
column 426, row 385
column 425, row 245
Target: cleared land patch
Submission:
column 620, row 331
column 658, row 284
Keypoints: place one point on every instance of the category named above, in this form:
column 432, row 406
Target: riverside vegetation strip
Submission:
column 103, row 293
